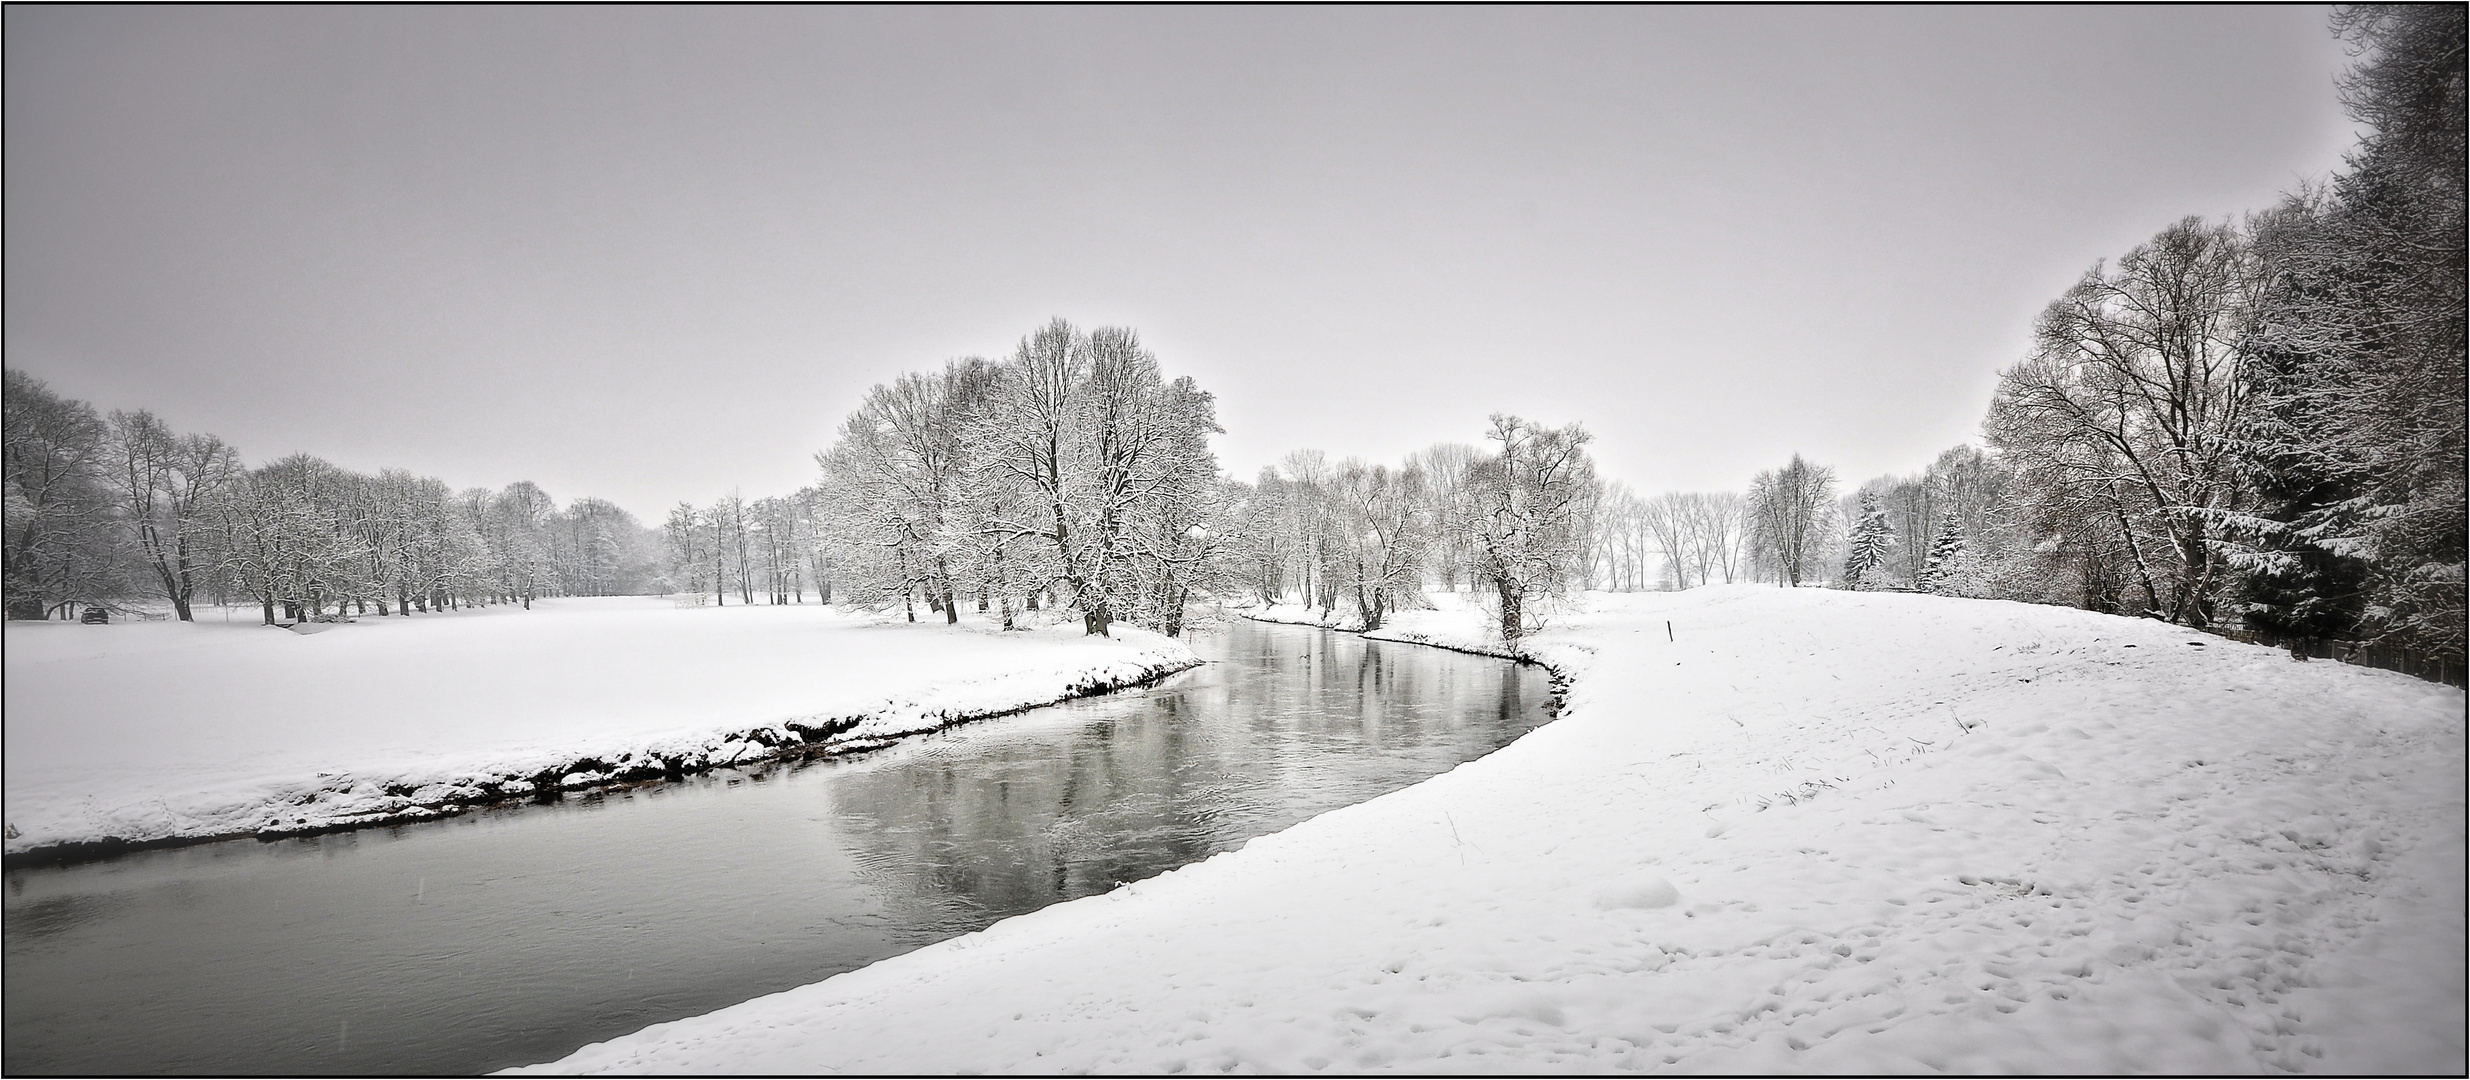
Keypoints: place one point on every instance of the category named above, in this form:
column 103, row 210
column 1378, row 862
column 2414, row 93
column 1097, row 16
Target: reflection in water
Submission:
column 60, row 914
column 518, row 934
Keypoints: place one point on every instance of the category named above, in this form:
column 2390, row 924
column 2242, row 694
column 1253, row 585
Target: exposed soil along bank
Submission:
column 360, row 804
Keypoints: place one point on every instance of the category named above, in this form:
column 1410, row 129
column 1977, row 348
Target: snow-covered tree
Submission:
column 1384, row 525
column 1944, row 565
column 602, row 550
column 1258, row 513
column 689, row 562
column 2355, row 441
column 2120, row 424
column 1868, row 546
column 1531, row 499
column 899, row 468
column 1791, row 510
column 1668, row 519
column 1073, row 466
column 61, row 538
column 167, row 484
column 1445, row 467
column 519, row 519
column 1310, row 516
column 1625, row 539
column 1712, row 529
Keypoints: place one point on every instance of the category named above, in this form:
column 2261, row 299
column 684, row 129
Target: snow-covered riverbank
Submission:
column 152, row 731
column 1794, row 831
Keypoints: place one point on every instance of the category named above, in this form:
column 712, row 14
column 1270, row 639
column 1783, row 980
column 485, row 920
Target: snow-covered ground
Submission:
column 153, row 730
column 1797, row 831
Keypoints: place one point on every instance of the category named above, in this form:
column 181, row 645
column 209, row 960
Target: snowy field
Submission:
column 1800, row 831
column 152, row 730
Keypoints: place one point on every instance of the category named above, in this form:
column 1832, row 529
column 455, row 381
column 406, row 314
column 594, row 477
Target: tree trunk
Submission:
column 1175, row 613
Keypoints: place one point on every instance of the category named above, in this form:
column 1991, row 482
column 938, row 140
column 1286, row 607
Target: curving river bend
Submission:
column 515, row 935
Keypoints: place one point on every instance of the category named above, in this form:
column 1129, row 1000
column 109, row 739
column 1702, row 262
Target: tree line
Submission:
column 1514, row 521
column 2253, row 426
column 1074, row 477
column 108, row 510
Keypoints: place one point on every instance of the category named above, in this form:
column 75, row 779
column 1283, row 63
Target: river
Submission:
column 519, row 933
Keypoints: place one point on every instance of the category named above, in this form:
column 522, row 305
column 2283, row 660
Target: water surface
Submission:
column 518, row 934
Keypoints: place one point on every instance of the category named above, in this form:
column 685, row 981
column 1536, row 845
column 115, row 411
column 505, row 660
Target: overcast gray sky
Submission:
column 652, row 254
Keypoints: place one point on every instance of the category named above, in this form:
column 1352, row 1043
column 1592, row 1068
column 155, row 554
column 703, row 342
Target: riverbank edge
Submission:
column 803, row 739
column 1559, row 675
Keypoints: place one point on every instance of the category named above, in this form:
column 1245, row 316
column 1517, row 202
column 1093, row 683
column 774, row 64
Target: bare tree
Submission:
column 166, row 483
column 1712, row 529
column 1260, row 514
column 1445, row 468
column 1383, row 527
column 1075, row 465
column 1791, row 513
column 2120, row 423
column 1309, row 517
column 687, row 558
column 1028, row 440
column 1531, row 499
column 1667, row 519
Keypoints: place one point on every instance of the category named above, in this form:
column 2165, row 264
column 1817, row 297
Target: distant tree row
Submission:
column 123, row 511
column 1695, row 538
column 1515, row 522
column 767, row 547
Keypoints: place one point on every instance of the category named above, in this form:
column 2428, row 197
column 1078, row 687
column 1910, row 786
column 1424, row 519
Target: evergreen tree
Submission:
column 2355, row 443
column 1946, row 552
column 1872, row 538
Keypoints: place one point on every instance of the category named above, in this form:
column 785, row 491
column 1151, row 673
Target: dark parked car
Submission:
column 94, row 616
